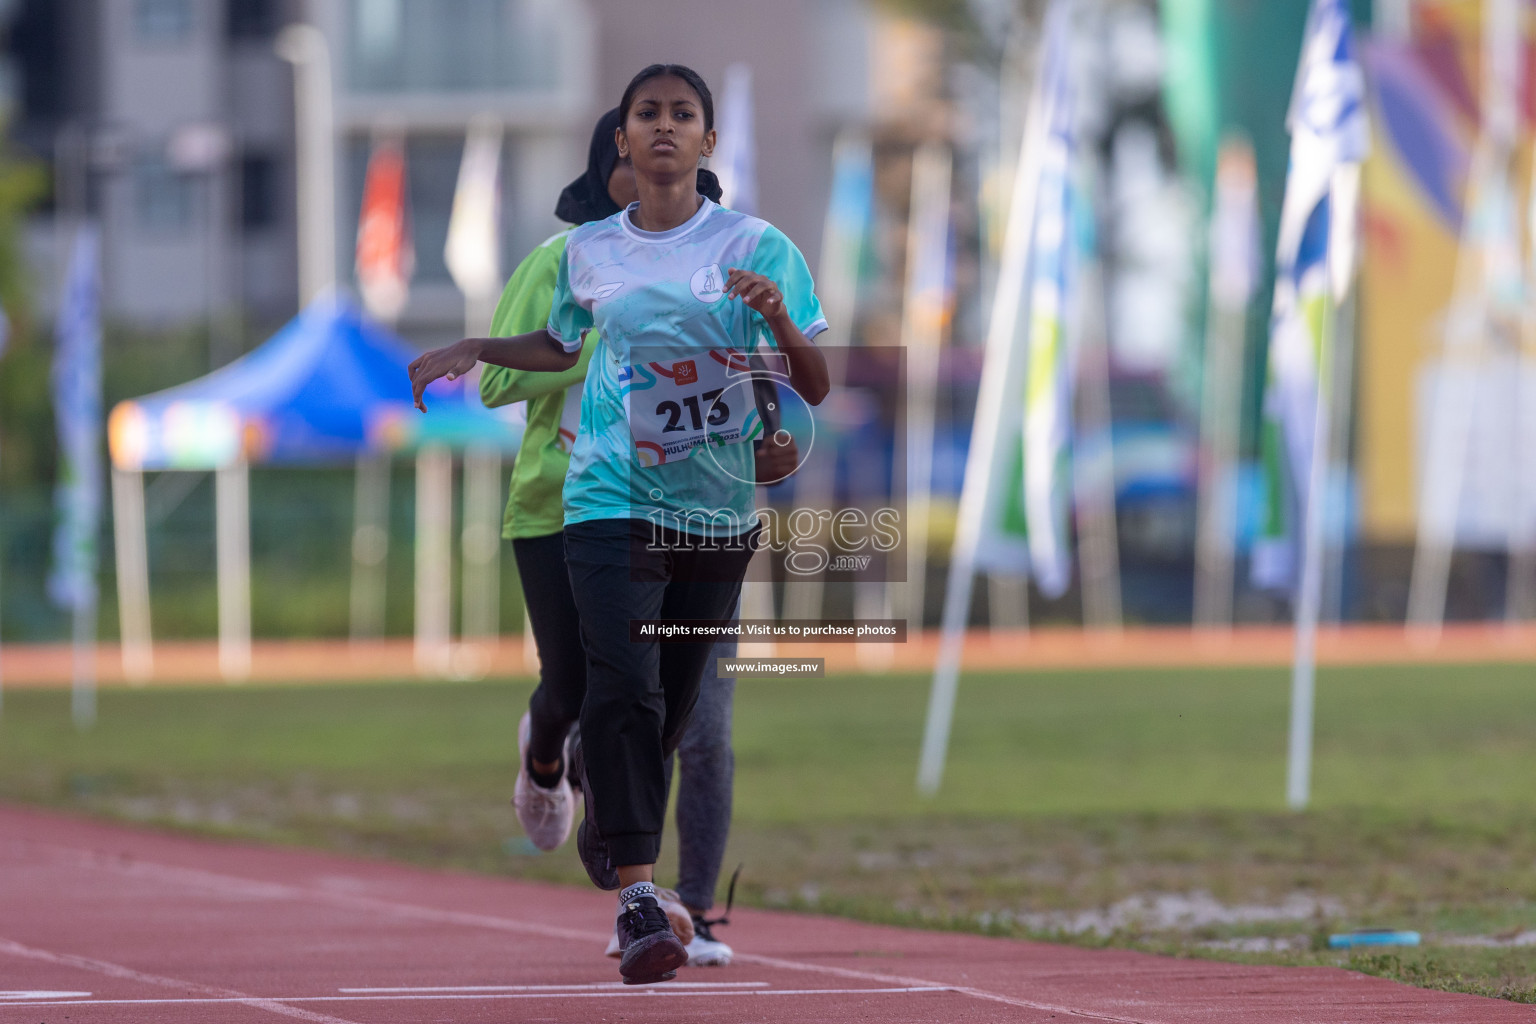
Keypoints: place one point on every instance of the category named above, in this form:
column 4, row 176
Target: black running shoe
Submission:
column 589, row 845
column 651, row 952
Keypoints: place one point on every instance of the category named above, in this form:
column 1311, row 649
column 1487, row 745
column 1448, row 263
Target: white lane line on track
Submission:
column 8, row 996
column 658, row 992
column 234, row 885
column 975, row 993
column 112, row 970
column 545, row 988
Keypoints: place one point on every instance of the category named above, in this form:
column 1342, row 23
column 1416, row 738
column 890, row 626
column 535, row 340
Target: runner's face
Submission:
column 664, row 135
column 621, row 184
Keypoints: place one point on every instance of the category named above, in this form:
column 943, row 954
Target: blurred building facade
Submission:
column 172, row 123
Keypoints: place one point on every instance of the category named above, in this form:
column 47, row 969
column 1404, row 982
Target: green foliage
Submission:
column 1445, row 971
column 23, row 183
column 139, row 361
column 26, row 428
column 28, row 449
column 951, row 14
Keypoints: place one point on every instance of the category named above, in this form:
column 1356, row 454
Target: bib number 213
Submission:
column 719, row 412
column 677, row 407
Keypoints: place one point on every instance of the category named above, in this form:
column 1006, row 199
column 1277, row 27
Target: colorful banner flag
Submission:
column 844, row 247
column 1328, row 131
column 385, row 256
column 1235, row 230
column 473, row 249
column 850, row 216
column 931, row 260
column 1048, row 388
column 735, row 158
column 77, row 409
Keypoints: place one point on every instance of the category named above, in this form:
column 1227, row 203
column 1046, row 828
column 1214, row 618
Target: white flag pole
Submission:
column 304, row 46
column 480, row 545
column 1002, row 366
column 1233, row 255
column 1336, row 525
column 1298, row 775
column 1343, row 200
column 472, row 254
column 1094, row 475
column 131, row 544
column 76, row 380
column 232, row 528
column 1329, row 142
column 838, row 277
column 923, row 330
column 1451, row 426
column 434, row 568
column 735, row 165
column 370, row 545
column 1520, row 588
column 1489, row 194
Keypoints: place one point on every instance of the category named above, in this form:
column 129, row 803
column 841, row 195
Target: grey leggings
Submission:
column 708, row 765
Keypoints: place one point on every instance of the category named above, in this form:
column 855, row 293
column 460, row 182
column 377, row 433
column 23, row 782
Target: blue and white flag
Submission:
column 77, row 410
column 1049, row 378
column 1313, row 265
column 735, row 158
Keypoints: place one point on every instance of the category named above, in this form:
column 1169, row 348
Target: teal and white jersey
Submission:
column 667, row 412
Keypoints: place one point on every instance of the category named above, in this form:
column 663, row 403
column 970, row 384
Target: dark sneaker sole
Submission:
column 652, row 958
column 594, row 857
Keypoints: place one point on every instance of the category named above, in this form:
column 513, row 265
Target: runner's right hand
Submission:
column 451, row 361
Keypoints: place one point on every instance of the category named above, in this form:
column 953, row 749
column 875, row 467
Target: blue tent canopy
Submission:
column 326, row 387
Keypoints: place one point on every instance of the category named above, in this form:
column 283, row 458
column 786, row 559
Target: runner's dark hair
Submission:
column 693, row 78
column 708, row 184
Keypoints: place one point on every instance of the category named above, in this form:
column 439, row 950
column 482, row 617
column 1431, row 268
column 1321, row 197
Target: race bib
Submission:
column 675, row 408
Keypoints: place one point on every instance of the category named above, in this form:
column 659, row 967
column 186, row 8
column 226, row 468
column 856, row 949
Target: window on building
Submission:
column 162, row 21
column 162, row 197
column 252, row 20
column 258, row 191
column 455, row 45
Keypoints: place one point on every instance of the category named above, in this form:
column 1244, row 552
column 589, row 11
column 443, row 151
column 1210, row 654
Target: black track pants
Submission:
column 640, row 694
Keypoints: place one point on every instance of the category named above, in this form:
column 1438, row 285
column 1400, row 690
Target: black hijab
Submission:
column 587, row 199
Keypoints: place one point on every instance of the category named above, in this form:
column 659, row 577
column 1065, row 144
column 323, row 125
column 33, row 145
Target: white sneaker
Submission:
column 705, row 950
column 677, row 914
column 546, row 814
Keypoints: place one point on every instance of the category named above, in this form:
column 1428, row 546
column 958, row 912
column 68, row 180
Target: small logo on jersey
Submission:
column 708, row 283
column 602, row 291
column 685, row 372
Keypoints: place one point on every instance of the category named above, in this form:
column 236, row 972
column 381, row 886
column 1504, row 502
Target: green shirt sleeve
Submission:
column 524, row 307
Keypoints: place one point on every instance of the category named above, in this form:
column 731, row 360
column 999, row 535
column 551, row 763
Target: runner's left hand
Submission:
column 775, row 459
column 756, row 291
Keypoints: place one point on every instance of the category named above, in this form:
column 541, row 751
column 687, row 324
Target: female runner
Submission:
column 542, row 795
column 658, row 498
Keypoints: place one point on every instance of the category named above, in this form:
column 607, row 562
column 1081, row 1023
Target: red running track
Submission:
column 101, row 924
